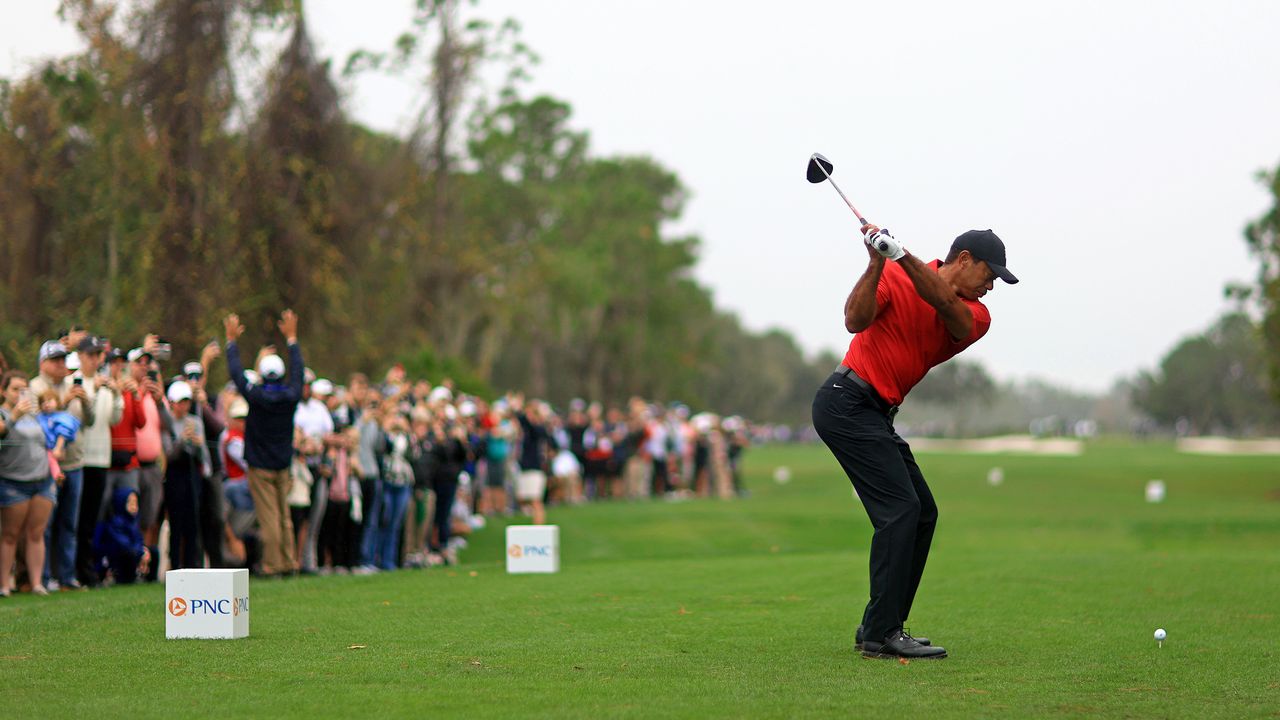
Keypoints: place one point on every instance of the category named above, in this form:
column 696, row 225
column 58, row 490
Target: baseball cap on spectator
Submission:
column 116, row 354
column 439, row 394
column 467, row 408
column 239, row 408
column 193, row 369
column 271, row 367
column 137, row 354
column 52, row 350
column 322, row 387
column 179, row 391
column 91, row 344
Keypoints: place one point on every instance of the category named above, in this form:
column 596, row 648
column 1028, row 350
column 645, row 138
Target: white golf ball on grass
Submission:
column 1160, row 636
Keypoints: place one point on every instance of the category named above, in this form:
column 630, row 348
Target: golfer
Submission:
column 907, row 316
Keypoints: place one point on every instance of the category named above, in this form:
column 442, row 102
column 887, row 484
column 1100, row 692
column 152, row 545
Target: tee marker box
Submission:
column 533, row 548
column 206, row 604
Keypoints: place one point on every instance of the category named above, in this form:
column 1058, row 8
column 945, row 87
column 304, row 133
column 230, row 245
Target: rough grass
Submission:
column 1045, row 590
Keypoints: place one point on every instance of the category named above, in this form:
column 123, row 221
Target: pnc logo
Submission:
column 179, row 607
column 518, row 551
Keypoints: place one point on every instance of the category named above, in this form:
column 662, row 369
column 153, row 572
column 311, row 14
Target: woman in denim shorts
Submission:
column 26, row 489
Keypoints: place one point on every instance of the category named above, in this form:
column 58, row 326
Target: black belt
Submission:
column 847, row 372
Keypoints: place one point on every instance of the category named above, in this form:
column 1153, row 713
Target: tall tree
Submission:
column 1213, row 380
column 1263, row 237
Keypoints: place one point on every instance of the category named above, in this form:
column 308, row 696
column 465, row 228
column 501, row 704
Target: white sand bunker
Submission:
column 1016, row 444
column 1227, row 446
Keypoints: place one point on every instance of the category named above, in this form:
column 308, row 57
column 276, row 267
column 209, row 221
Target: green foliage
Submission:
column 1216, row 381
column 139, row 193
column 955, row 382
column 1263, row 238
column 425, row 364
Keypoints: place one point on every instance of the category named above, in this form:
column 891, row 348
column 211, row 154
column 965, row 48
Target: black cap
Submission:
column 116, row 354
column 986, row 246
column 91, row 344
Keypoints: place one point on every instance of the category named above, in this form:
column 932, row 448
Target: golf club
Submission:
column 820, row 168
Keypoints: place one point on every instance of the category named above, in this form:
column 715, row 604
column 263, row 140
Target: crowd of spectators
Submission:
column 104, row 461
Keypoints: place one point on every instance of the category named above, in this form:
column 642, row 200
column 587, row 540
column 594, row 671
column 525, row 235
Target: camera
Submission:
column 161, row 352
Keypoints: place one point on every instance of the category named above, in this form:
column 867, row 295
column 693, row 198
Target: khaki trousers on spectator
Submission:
column 269, row 489
column 636, row 475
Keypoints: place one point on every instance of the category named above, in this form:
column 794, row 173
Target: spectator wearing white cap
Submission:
column 187, row 466
column 316, row 423
column 61, row 535
column 268, row 437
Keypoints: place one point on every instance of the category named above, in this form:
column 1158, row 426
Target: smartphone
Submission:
column 162, row 352
column 152, row 374
column 77, row 381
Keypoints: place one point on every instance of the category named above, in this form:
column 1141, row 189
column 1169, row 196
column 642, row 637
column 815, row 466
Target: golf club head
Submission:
column 819, row 168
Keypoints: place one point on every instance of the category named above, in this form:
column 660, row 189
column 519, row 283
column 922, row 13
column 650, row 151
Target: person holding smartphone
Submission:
column 55, row 379
column 27, row 490
column 149, row 446
column 123, row 470
column 95, row 438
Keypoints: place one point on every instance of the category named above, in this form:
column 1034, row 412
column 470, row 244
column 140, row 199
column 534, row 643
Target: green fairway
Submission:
column 1045, row 590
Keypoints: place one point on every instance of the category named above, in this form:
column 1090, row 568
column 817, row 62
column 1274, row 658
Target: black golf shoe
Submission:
column 901, row 645
column 857, row 639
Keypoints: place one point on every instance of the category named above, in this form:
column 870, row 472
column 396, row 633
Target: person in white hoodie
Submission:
column 95, row 439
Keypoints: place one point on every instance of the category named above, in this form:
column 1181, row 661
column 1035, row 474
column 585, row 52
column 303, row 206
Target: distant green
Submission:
column 1045, row 590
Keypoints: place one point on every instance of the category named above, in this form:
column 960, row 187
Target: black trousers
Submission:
column 213, row 515
column 182, row 502
column 446, row 490
column 95, row 484
column 854, row 424
column 339, row 541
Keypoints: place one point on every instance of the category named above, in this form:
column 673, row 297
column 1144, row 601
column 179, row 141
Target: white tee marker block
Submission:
column 212, row 604
column 533, row 548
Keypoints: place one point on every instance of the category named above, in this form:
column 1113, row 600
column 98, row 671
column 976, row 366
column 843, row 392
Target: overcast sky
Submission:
column 1113, row 145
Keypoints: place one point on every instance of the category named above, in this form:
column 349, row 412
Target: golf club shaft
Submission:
column 842, row 195
column 846, row 200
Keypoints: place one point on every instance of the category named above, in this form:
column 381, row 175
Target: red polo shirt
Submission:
column 907, row 338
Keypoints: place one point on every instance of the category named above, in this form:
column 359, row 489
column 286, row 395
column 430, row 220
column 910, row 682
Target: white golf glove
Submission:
column 885, row 244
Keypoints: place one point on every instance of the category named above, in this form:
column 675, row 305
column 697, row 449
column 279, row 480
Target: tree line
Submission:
column 146, row 186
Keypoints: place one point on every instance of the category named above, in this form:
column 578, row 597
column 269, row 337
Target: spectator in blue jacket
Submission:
column 268, row 438
column 117, row 541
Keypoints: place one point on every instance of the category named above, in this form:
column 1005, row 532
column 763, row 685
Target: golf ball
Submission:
column 1160, row 635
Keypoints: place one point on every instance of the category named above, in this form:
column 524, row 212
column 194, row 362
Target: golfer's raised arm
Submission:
column 931, row 288
column 860, row 308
